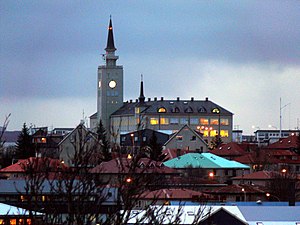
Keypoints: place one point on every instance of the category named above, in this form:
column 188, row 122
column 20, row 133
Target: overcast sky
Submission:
column 242, row 55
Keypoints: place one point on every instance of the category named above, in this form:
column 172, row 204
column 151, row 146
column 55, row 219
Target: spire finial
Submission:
column 110, row 47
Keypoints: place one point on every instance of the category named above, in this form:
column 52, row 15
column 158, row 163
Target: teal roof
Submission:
column 204, row 160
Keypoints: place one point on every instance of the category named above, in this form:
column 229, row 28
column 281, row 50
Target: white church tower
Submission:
column 110, row 83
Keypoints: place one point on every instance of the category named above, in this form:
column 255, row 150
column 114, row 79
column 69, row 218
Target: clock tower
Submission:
column 110, row 83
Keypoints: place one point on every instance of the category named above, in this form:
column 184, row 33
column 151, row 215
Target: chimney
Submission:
column 178, row 99
column 155, row 99
column 130, row 101
column 162, row 98
column 206, row 99
column 192, row 99
column 149, row 99
column 136, row 100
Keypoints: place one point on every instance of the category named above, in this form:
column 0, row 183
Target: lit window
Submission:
column 174, row 120
column 137, row 110
column 153, row 121
column 203, row 121
column 224, row 122
column 194, row 121
column 215, row 110
column 44, row 140
column 214, row 121
column 179, row 138
column 224, row 133
column 213, row 133
column 205, row 133
column 161, row 110
column 164, row 120
column 184, row 120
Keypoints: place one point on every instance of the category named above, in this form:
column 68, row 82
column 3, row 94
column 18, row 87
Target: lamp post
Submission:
column 243, row 190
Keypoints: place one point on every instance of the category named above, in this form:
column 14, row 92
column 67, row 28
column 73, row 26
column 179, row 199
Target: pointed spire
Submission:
column 142, row 97
column 110, row 47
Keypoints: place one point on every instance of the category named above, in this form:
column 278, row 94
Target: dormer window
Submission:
column 188, row 110
column 202, row 110
column 215, row 110
column 161, row 110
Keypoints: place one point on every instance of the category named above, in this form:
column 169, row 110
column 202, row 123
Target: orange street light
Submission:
column 211, row 174
column 128, row 180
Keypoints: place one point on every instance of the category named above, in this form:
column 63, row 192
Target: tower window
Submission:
column 162, row 110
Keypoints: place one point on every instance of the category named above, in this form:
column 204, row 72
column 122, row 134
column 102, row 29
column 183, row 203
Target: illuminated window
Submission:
column 164, row 120
column 203, row 121
column 213, row 133
column 194, row 120
column 179, row 138
column 13, row 221
column 224, row 122
column 205, row 133
column 174, row 120
column 215, row 110
column 153, row 121
column 44, row 140
column 214, row 121
column 2, row 221
column 162, row 110
column 137, row 110
column 184, row 120
column 224, row 133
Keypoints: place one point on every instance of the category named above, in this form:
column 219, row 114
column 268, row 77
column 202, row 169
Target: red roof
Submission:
column 285, row 143
column 259, row 175
column 237, row 189
column 257, row 157
column 34, row 163
column 173, row 153
column 125, row 165
column 230, row 149
column 174, row 193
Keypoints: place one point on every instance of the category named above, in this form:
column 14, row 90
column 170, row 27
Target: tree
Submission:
column 216, row 142
column 155, row 149
column 25, row 147
column 102, row 137
column 2, row 140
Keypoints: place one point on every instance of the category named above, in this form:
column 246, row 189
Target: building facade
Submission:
column 167, row 116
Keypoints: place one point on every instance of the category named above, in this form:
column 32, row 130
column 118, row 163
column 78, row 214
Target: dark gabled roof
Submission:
column 110, row 46
column 173, row 106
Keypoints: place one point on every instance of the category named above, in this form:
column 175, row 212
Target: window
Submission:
column 153, row 121
column 214, row 121
column 224, row 133
column 179, row 138
column 203, row 121
column 162, row 110
column 144, row 139
column 205, row 133
column 193, row 138
column 164, row 121
column 174, row 120
column 188, row 110
column 215, row 110
column 213, row 133
column 194, row 121
column 137, row 110
column 176, row 110
column 201, row 110
column 224, row 122
column 184, row 120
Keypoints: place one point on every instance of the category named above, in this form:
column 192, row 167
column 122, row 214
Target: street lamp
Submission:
column 269, row 195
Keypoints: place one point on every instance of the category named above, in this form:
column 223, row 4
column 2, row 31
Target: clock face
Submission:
column 112, row 84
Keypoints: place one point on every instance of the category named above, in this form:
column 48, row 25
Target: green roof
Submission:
column 204, row 160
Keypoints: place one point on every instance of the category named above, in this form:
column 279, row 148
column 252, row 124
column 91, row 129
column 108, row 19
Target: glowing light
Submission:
column 129, row 156
column 211, row 174
column 128, row 180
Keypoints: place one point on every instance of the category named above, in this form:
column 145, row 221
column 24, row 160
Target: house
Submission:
column 229, row 151
column 207, row 165
column 129, row 168
column 80, row 145
column 131, row 142
column 261, row 178
column 24, row 167
column 167, row 195
column 188, row 139
column 239, row 192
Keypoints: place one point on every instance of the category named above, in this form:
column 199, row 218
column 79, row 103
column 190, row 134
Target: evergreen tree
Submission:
column 155, row 149
column 216, row 142
column 102, row 137
column 25, row 147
